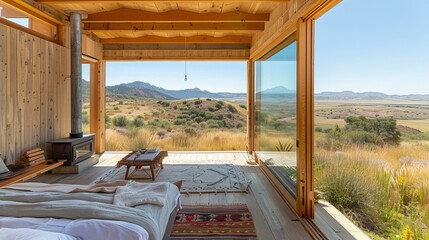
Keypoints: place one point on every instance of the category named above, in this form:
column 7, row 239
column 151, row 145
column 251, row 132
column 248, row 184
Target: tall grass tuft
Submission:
column 384, row 190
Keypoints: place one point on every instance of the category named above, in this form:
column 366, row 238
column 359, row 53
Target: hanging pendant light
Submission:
column 186, row 53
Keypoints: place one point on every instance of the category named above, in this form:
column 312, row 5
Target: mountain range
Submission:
column 143, row 89
column 349, row 95
column 147, row 90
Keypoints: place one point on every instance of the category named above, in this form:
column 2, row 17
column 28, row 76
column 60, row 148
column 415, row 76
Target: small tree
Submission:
column 385, row 128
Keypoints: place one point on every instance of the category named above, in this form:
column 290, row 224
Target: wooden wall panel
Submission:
column 34, row 92
column 11, row 82
column 3, row 87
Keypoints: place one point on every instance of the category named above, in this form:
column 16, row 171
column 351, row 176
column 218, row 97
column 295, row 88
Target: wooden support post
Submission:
column 97, row 104
column 305, row 97
column 250, row 104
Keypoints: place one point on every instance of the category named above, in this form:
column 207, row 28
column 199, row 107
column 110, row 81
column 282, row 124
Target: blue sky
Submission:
column 361, row 45
column 373, row 45
column 214, row 76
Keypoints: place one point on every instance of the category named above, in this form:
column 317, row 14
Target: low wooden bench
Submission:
column 137, row 160
column 32, row 172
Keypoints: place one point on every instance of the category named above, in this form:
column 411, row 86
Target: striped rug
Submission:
column 214, row 222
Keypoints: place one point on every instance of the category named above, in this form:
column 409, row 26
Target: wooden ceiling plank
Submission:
column 183, row 27
column 153, row 39
column 137, row 15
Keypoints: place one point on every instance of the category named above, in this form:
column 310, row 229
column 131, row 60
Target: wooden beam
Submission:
column 134, row 1
column 138, row 15
column 177, row 27
column 152, row 39
column 149, row 55
column 35, row 10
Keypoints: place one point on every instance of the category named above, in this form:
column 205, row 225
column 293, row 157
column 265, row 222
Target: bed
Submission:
column 118, row 210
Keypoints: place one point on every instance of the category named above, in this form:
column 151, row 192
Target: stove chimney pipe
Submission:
column 76, row 72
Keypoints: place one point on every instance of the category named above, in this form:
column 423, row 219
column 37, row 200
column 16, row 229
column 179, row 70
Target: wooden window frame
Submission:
column 34, row 15
column 304, row 28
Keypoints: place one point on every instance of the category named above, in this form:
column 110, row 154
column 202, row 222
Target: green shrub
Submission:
column 190, row 131
column 121, row 102
column 209, row 116
column 286, row 147
column 85, row 117
column 198, row 102
column 138, row 121
column 232, row 108
column 198, row 119
column 215, row 123
column 218, row 106
column 385, row 128
column 208, row 99
column 179, row 122
column 116, row 108
column 107, row 118
column 182, row 116
column 120, row 121
column 243, row 106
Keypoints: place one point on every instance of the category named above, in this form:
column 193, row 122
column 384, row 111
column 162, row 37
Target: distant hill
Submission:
column 349, row 95
column 146, row 90
column 278, row 90
column 138, row 92
column 143, row 89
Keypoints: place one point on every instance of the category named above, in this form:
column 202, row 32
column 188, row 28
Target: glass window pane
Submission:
column 275, row 115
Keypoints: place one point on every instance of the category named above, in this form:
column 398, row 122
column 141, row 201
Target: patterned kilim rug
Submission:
column 214, row 222
column 196, row 178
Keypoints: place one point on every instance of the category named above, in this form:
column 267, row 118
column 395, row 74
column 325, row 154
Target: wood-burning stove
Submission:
column 74, row 150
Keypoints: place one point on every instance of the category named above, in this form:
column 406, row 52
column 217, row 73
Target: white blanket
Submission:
column 90, row 205
column 82, row 229
column 127, row 193
column 31, row 234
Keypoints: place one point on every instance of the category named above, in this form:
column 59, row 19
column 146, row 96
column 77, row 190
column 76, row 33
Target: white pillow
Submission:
column 31, row 234
column 3, row 168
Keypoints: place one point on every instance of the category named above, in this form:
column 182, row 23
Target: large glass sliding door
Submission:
column 275, row 113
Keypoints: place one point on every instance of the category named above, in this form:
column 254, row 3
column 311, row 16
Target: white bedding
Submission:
column 31, row 234
column 88, row 229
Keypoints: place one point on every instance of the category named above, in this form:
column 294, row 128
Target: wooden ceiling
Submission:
column 171, row 22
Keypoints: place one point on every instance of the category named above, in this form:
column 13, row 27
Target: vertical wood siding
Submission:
column 34, row 92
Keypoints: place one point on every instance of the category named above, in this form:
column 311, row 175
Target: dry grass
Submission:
column 383, row 189
column 270, row 140
column 422, row 124
column 204, row 141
